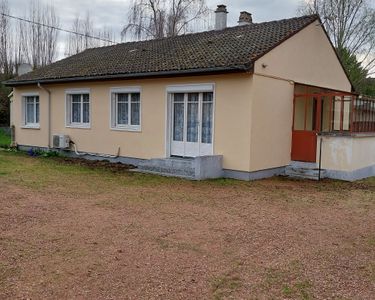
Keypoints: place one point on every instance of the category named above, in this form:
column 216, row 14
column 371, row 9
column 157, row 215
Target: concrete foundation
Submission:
column 210, row 167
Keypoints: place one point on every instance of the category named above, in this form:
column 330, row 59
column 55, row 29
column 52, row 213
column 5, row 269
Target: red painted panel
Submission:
column 304, row 146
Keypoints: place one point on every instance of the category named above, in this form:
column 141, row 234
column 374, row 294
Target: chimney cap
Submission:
column 221, row 8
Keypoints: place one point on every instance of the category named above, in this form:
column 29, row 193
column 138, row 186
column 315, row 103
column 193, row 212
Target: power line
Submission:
column 57, row 28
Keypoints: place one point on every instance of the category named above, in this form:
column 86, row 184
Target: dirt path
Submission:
column 181, row 240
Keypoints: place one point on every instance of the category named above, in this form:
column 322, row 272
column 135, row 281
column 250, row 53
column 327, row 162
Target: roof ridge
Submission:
column 208, row 31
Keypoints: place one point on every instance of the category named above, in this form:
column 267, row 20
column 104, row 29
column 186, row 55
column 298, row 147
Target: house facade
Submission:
column 253, row 99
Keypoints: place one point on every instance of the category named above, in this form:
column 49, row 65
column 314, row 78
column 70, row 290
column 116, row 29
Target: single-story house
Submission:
column 245, row 102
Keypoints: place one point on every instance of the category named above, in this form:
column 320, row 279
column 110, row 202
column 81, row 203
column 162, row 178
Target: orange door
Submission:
column 306, row 125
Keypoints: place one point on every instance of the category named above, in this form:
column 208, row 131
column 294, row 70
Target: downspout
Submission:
column 49, row 113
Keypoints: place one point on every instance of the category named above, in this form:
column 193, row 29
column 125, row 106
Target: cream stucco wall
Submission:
column 271, row 116
column 306, row 58
column 347, row 153
column 231, row 131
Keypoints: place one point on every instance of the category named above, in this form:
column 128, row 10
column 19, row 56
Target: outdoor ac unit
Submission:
column 61, row 141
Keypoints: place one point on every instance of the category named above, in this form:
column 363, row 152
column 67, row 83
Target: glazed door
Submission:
column 306, row 125
column 192, row 124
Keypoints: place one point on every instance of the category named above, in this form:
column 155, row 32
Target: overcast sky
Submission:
column 113, row 13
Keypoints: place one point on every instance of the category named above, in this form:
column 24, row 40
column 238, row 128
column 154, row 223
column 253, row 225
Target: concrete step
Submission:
column 162, row 174
column 179, row 167
column 304, row 172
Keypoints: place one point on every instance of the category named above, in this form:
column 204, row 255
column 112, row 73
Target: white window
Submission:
column 126, row 109
column 30, row 104
column 78, row 109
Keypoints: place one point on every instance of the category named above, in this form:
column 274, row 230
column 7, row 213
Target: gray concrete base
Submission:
column 199, row 168
column 353, row 175
column 209, row 167
column 304, row 170
column 248, row 176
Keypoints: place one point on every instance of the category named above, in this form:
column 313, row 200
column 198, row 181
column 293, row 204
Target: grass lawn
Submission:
column 72, row 232
column 4, row 139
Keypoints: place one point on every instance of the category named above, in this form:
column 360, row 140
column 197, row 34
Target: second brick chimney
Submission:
column 245, row 18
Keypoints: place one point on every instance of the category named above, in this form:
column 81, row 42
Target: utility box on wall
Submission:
column 61, row 141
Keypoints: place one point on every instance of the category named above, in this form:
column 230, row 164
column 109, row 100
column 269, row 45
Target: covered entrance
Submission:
column 317, row 111
column 191, row 124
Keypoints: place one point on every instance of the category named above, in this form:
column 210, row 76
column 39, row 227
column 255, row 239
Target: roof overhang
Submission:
column 162, row 74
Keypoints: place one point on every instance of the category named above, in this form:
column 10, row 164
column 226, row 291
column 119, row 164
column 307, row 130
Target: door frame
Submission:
column 186, row 88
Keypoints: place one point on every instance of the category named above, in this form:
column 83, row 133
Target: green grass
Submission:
column 40, row 173
column 4, row 139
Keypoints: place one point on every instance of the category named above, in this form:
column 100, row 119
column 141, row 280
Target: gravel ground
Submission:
column 96, row 234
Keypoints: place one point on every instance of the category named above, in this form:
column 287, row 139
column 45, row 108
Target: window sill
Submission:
column 129, row 129
column 78, row 126
column 35, row 127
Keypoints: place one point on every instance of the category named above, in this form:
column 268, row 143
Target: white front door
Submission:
column 192, row 124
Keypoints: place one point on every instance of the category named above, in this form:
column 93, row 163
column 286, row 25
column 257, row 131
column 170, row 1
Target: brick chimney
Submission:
column 221, row 17
column 245, row 18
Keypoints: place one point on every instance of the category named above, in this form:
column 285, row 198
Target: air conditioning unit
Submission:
column 61, row 141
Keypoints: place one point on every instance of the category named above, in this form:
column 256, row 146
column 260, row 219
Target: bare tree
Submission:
column 37, row 40
column 350, row 25
column 162, row 18
column 42, row 41
column 77, row 43
column 6, row 41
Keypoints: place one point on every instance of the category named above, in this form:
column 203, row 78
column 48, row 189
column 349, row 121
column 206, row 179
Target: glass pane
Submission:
column 135, row 97
column 135, row 111
column 207, row 112
column 208, row 97
column 30, row 113
column 76, row 112
column 178, row 122
column 192, row 121
column 336, row 113
column 311, row 114
column 37, row 111
column 122, row 113
column 193, row 97
column 178, row 97
column 86, row 98
column 346, row 113
column 122, row 98
column 76, row 98
column 86, row 112
column 299, row 114
column 30, row 100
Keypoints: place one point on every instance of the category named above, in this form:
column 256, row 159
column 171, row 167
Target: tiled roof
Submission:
column 233, row 49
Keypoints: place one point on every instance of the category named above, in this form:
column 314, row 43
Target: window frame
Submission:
column 25, row 124
column 69, row 109
column 113, row 102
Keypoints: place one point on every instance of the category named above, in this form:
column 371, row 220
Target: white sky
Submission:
column 113, row 13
